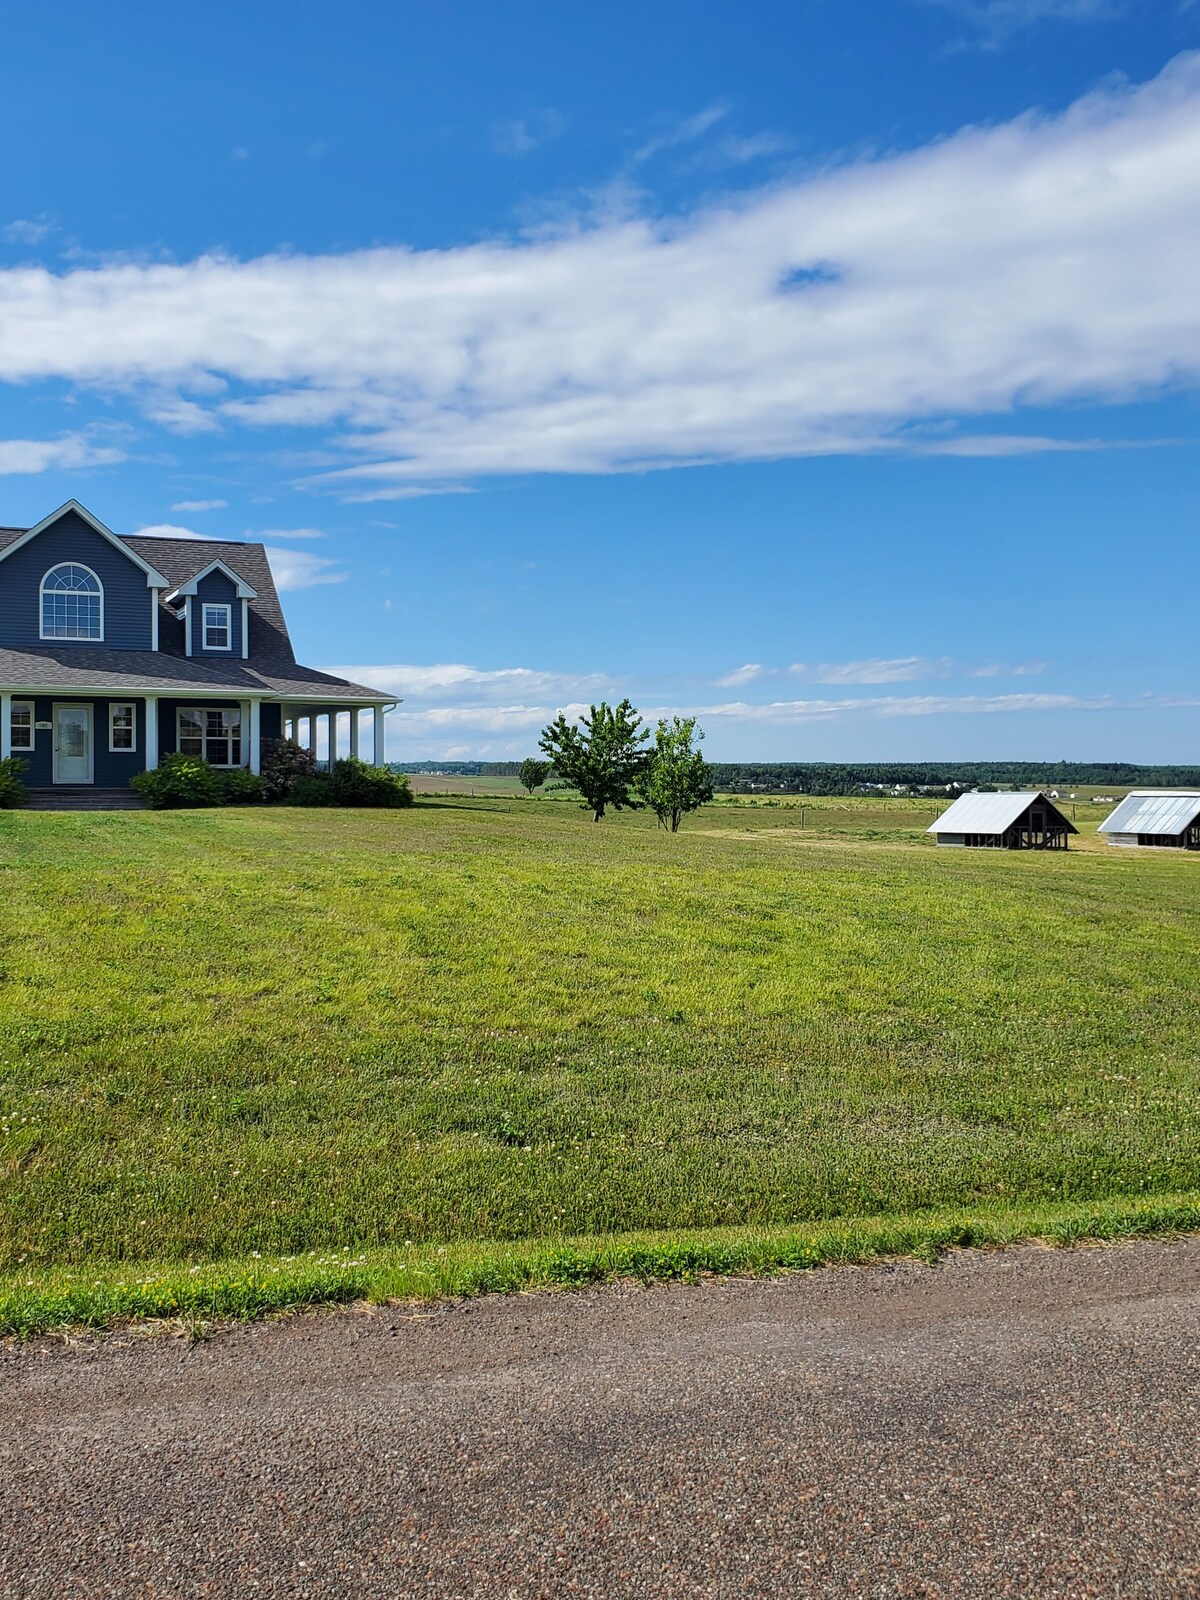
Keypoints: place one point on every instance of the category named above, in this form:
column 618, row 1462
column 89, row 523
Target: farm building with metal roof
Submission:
column 1026, row 821
column 1163, row 817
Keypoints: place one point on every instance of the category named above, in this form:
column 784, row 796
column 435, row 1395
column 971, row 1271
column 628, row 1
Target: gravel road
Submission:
column 1020, row 1423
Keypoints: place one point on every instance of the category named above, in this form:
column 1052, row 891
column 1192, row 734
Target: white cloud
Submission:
column 473, row 686
column 26, row 231
column 168, row 530
column 71, row 450
column 750, row 673
column 523, row 134
column 200, row 505
column 1051, row 259
column 996, row 21
column 684, row 131
column 286, row 533
column 788, row 712
column 300, row 569
column 899, row 669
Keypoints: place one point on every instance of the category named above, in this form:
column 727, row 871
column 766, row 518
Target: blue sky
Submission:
column 828, row 368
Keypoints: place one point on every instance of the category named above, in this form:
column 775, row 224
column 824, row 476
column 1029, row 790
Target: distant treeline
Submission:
column 828, row 777
column 460, row 769
column 820, row 777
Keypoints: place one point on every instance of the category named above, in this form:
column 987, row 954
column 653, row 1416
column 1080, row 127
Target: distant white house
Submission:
column 1025, row 821
column 1162, row 817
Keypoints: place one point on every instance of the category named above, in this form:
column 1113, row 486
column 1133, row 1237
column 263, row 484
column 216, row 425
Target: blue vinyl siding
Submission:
column 217, row 589
column 126, row 597
column 112, row 768
column 270, row 723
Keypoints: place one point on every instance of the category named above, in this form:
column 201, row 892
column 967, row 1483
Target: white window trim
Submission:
column 121, row 749
column 57, row 638
column 216, row 605
column 202, row 711
column 21, row 749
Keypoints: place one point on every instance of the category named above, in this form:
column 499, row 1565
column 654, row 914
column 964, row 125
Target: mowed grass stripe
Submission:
column 489, row 1019
column 192, row 1299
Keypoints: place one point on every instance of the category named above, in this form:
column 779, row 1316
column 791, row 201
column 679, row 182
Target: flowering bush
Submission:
column 284, row 762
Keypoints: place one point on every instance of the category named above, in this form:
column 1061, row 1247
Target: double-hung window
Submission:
column 218, row 627
column 122, row 725
column 22, row 725
column 215, row 735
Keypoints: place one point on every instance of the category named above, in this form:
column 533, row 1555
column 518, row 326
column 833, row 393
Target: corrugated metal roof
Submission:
column 1153, row 811
column 989, row 813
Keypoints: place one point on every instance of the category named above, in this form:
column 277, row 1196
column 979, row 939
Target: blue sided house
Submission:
column 115, row 650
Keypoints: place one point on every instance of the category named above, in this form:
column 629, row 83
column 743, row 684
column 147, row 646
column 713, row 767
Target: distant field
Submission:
column 287, row 1031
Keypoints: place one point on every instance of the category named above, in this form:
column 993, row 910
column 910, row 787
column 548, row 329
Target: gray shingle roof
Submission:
column 80, row 667
column 1153, row 811
column 991, row 813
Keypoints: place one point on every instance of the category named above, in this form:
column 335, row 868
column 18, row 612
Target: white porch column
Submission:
column 5, row 725
column 151, row 732
column 380, row 756
column 255, row 737
column 354, row 734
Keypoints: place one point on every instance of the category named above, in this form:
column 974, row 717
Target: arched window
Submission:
column 72, row 603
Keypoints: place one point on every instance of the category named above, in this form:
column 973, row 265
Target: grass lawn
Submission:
column 489, row 1020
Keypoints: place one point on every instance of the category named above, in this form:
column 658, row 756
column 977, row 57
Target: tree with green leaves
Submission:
column 676, row 779
column 532, row 774
column 602, row 755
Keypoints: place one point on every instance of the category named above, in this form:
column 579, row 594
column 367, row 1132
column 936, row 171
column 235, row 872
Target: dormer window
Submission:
column 218, row 627
column 72, row 603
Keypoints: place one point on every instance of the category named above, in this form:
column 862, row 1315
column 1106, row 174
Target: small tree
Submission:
column 602, row 756
column 676, row 779
column 532, row 774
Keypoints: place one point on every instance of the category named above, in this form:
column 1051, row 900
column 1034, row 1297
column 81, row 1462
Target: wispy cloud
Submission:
column 454, row 684
column 682, row 130
column 199, row 505
column 1049, row 260
column 69, row 451
column 26, row 230
column 995, row 22
column 750, row 673
column 523, row 134
column 286, row 533
column 300, row 569
column 458, row 710
column 876, row 669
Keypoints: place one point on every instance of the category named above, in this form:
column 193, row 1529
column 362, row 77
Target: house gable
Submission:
column 128, row 584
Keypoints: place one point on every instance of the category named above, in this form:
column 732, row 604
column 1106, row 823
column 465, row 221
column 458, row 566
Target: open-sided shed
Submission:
column 1163, row 817
column 1027, row 821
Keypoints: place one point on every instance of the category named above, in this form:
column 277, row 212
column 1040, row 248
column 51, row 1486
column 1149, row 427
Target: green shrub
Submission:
column 241, row 787
column 13, row 792
column 310, row 789
column 357, row 784
column 284, row 762
column 351, row 783
column 180, row 781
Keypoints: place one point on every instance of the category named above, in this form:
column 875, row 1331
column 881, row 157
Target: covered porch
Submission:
column 334, row 732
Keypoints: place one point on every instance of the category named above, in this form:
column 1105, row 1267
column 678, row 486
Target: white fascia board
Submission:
column 154, row 578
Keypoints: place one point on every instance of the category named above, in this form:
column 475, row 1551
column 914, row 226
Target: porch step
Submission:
column 83, row 797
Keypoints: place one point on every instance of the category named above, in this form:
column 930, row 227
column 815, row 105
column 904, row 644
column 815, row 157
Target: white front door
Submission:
column 72, row 744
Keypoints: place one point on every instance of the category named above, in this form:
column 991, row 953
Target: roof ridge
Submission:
column 165, row 538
